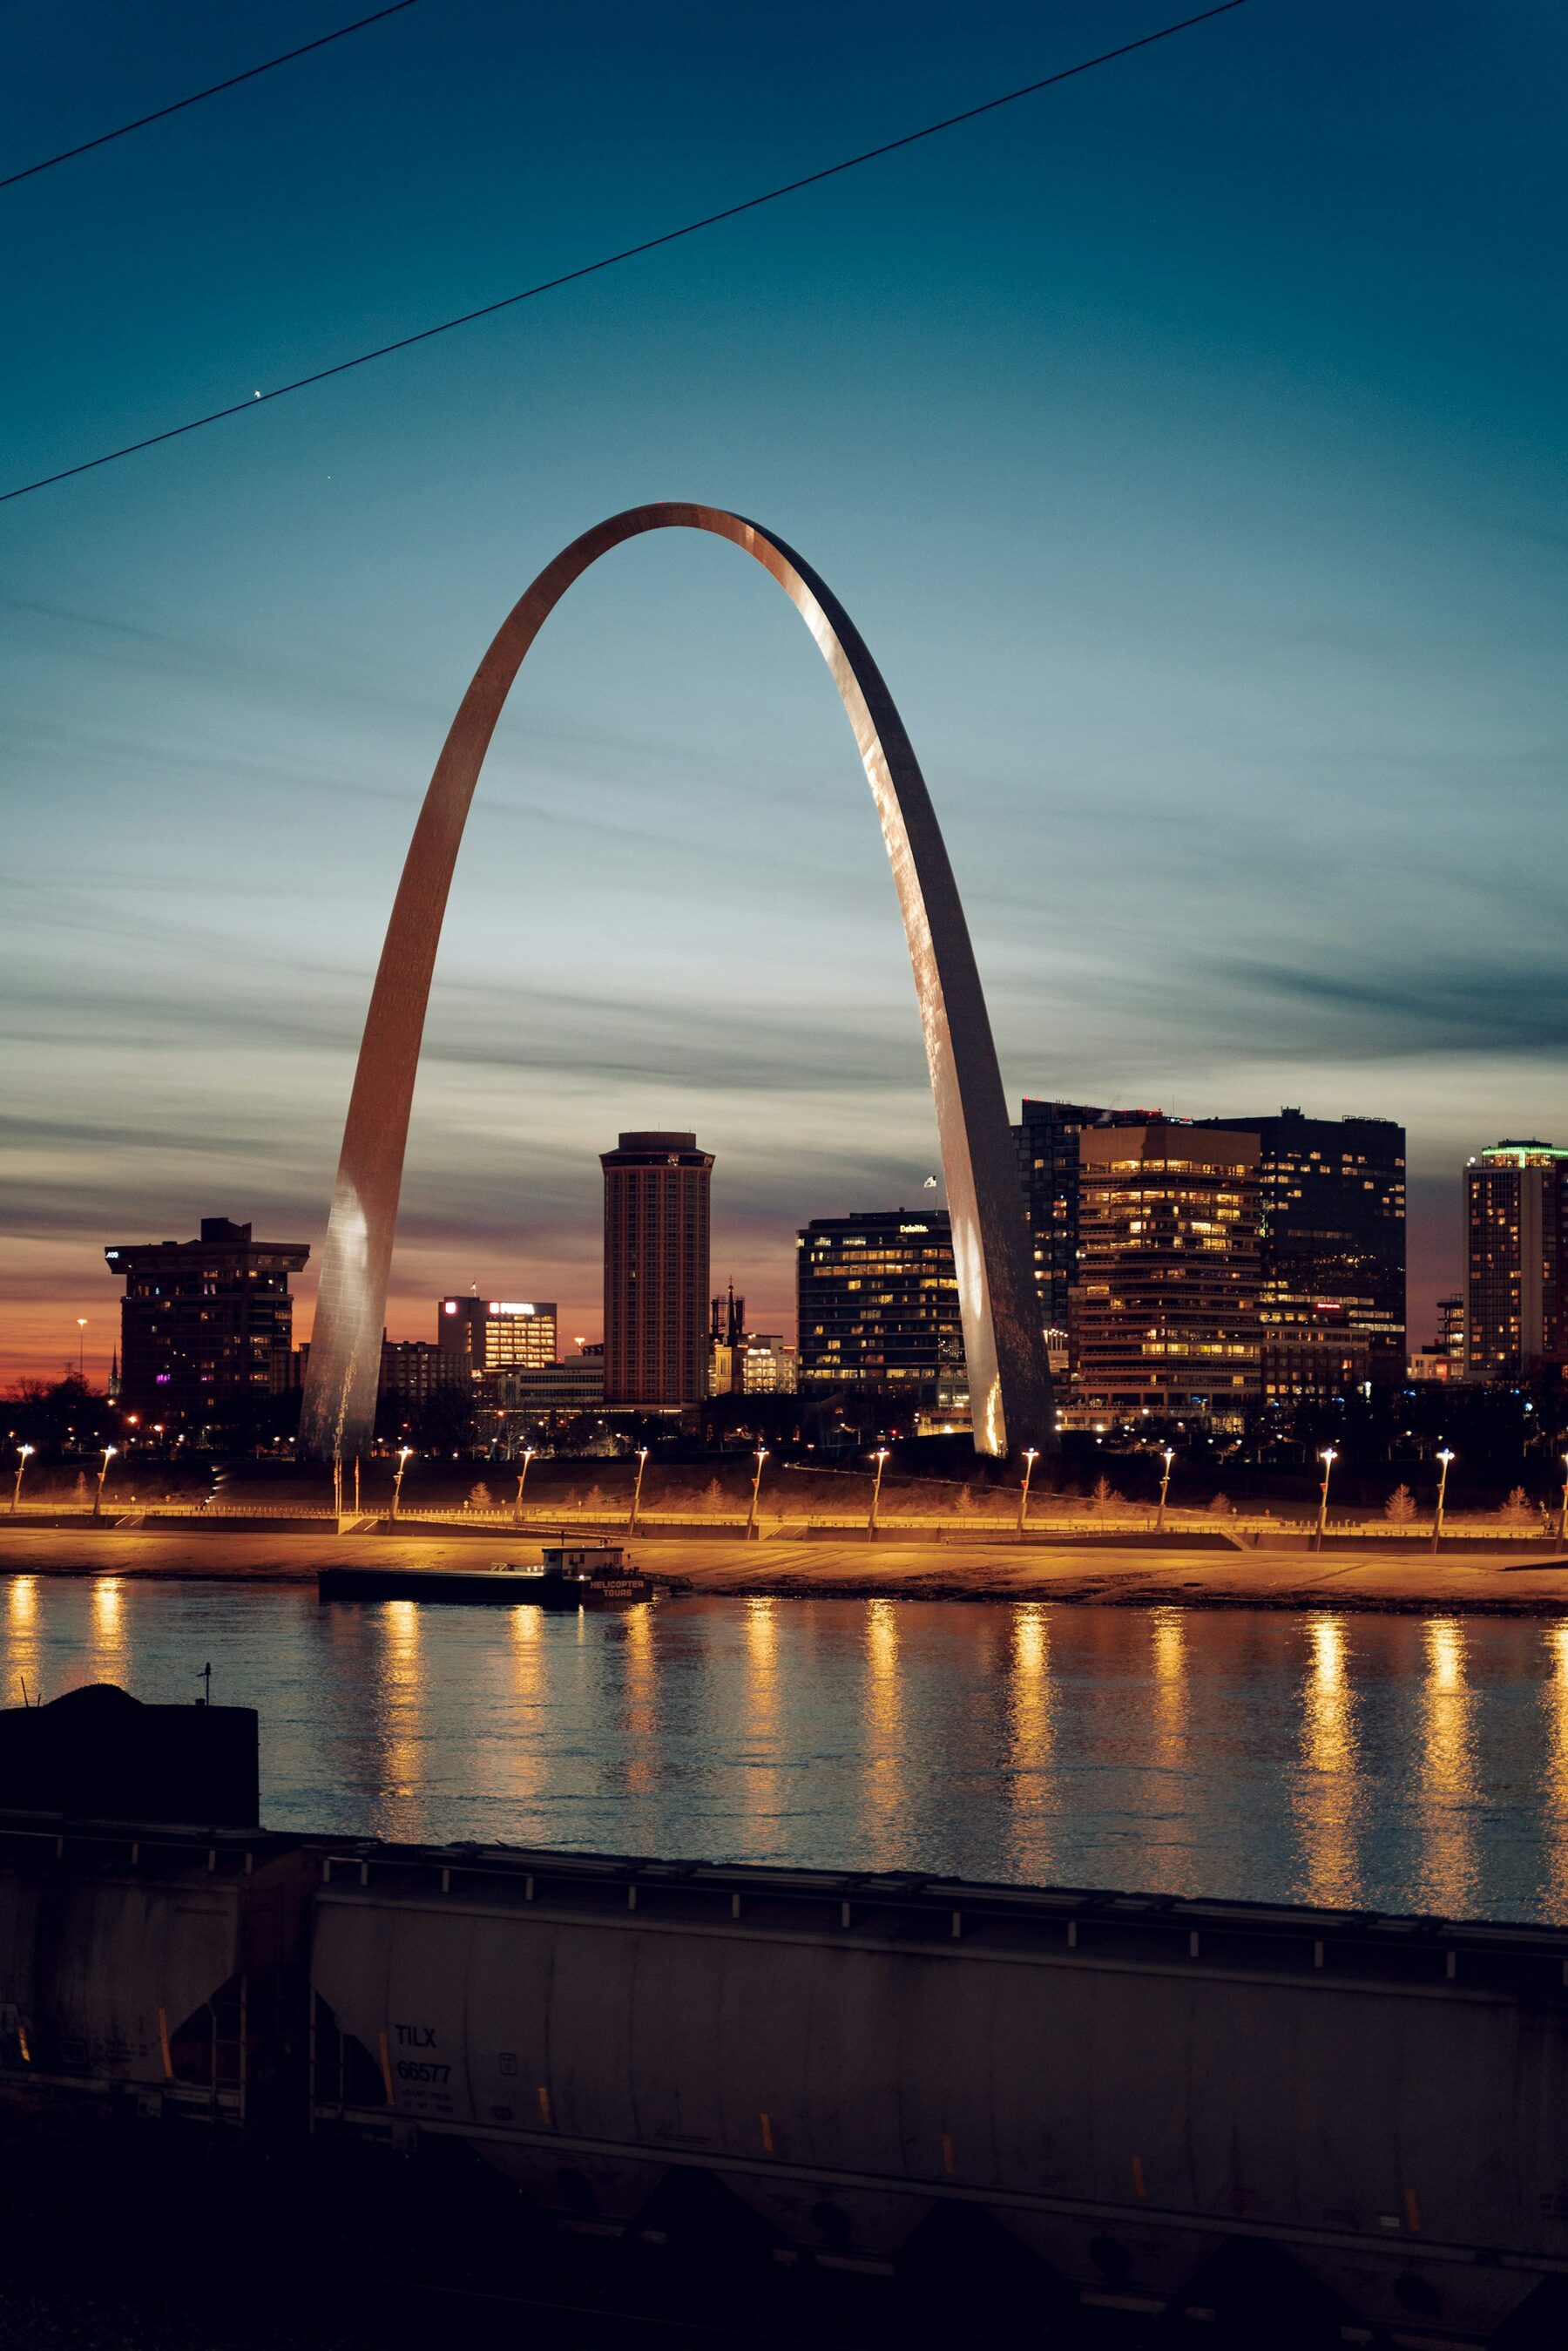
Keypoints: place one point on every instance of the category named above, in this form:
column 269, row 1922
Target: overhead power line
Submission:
column 628, row 252
column 158, row 114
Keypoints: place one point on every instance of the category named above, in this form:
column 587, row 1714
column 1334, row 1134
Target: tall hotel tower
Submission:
column 655, row 1269
column 1516, row 1276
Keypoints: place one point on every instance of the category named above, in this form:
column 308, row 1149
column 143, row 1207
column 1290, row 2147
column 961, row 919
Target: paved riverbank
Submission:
column 1522, row 1581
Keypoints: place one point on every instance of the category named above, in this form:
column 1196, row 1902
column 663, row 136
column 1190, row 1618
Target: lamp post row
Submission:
column 1328, row 1457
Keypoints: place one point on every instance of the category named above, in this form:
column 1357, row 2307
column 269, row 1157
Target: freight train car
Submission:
column 152, row 1969
column 1147, row 2099
column 1116, row 2101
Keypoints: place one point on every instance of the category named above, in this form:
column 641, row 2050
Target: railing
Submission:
column 1044, row 1524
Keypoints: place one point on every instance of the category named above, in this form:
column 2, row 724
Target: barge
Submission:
column 568, row 1575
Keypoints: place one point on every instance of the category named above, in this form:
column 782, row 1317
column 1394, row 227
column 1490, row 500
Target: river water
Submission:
column 1391, row 1762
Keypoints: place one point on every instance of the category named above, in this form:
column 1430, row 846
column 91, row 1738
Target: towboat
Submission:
column 567, row 1575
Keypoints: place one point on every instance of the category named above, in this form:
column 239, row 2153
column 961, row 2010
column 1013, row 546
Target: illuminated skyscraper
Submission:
column 205, row 1325
column 1167, row 1317
column 1516, row 1241
column 498, row 1334
column 1331, row 1198
column 1046, row 1141
column 655, row 1269
column 878, row 1309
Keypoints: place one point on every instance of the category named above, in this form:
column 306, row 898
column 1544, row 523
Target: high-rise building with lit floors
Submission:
column 498, row 1334
column 878, row 1307
column 1331, row 1198
column 1516, row 1276
column 1167, row 1306
column 204, row 1325
column 655, row 1269
column 1046, row 1141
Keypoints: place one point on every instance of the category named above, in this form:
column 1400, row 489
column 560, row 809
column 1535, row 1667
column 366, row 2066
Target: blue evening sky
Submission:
column 1187, row 442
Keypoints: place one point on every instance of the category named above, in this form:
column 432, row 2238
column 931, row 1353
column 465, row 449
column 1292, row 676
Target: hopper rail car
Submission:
column 1147, row 2101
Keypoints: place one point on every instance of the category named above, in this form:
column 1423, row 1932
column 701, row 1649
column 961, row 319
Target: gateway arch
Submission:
column 1009, row 1385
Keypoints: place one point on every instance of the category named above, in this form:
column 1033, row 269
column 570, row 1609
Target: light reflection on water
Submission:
column 1450, row 1792
column 22, row 1654
column 1326, row 1790
column 762, row 1714
column 106, row 1649
column 1393, row 1763
column 887, row 1772
column 1031, row 1775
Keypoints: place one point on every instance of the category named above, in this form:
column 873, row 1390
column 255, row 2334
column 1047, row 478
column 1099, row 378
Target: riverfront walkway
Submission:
column 1523, row 1579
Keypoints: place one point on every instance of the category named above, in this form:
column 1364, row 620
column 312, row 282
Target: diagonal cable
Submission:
column 105, row 137
column 628, row 252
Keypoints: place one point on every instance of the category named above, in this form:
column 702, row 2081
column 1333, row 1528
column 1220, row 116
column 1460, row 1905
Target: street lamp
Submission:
column 637, row 1490
column 81, row 1348
column 876, row 1494
column 522, row 1477
column 24, row 1454
column 1168, row 1456
column 1444, row 1457
column 405, row 1454
column 1328, row 1457
column 756, row 1488
column 1029, row 1458
column 108, row 1453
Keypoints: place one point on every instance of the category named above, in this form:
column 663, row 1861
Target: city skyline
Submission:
column 572, row 1324
column 1227, row 617
column 1313, row 1210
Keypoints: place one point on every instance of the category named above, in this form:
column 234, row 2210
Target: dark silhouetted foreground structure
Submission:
column 98, row 1754
column 1298, row 2125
